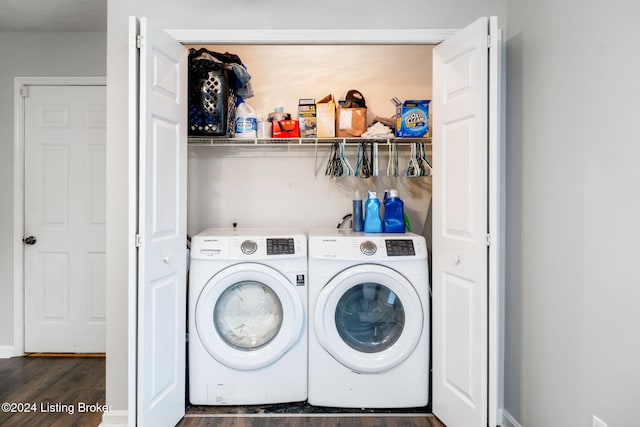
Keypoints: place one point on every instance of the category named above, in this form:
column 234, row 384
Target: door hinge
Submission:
column 490, row 43
column 488, row 239
column 24, row 91
column 138, row 240
column 139, row 41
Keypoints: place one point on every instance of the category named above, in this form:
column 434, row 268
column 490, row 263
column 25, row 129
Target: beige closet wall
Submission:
column 280, row 75
column 277, row 187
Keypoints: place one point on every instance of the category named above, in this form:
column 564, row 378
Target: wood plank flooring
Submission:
column 53, row 391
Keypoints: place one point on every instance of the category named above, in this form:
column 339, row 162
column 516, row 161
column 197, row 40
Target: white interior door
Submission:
column 162, row 228
column 460, row 227
column 64, row 224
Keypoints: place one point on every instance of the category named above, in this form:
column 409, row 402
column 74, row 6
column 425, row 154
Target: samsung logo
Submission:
column 330, row 240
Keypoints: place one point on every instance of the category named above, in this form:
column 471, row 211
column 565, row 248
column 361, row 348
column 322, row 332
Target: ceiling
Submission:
column 53, row 15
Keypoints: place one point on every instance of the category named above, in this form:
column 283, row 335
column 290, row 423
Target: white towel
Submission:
column 378, row 130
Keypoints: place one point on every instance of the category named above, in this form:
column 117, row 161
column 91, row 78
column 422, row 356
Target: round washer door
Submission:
column 248, row 316
column 369, row 318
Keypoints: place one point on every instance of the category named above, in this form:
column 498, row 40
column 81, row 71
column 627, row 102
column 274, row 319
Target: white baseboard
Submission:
column 509, row 421
column 7, row 351
column 115, row 419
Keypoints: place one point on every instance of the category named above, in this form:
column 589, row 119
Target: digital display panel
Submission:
column 400, row 247
column 280, row 246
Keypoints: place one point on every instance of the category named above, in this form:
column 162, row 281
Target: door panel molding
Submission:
column 21, row 86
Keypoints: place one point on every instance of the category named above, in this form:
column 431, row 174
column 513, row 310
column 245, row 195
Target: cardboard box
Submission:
column 326, row 117
column 307, row 118
column 351, row 122
column 286, row 128
column 412, row 119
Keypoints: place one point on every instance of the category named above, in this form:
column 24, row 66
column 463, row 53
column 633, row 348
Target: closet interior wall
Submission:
column 266, row 186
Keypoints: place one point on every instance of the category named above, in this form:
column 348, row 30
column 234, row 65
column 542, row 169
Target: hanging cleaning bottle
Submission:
column 394, row 214
column 372, row 221
column 357, row 221
column 245, row 124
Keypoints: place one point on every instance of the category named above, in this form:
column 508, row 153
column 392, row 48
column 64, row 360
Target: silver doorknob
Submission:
column 29, row 240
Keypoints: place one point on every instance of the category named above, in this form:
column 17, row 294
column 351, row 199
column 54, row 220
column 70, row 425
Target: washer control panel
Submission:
column 368, row 247
column 249, row 244
column 341, row 244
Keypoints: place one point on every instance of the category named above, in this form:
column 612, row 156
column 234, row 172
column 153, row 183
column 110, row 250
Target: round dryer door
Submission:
column 248, row 316
column 369, row 318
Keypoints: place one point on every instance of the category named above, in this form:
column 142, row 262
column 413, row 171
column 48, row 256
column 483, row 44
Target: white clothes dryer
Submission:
column 247, row 317
column 368, row 320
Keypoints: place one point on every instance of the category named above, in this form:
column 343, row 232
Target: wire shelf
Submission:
column 310, row 142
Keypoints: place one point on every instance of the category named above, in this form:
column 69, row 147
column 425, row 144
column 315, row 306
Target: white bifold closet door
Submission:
column 462, row 228
column 162, row 217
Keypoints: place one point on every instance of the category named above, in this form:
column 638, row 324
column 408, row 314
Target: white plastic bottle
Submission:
column 245, row 124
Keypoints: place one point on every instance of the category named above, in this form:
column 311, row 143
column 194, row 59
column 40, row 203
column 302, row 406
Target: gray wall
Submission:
column 573, row 284
column 32, row 54
column 219, row 14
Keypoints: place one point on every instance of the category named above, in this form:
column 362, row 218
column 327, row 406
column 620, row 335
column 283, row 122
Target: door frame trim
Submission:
column 19, row 85
column 310, row 36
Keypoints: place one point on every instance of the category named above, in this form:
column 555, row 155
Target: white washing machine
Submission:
column 247, row 317
column 368, row 320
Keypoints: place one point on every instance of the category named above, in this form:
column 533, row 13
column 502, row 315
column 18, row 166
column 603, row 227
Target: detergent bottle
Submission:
column 357, row 218
column 394, row 214
column 245, row 124
column 372, row 221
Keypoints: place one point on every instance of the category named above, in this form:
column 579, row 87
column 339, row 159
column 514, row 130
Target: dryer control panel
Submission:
column 347, row 245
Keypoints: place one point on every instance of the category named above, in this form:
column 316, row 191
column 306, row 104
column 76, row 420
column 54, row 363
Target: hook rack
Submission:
column 329, row 143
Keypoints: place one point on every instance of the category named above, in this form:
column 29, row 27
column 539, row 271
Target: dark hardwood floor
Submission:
column 52, row 391
column 70, row 391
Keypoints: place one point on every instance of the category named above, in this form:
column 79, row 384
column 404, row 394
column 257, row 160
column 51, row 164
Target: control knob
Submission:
column 368, row 247
column 248, row 247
